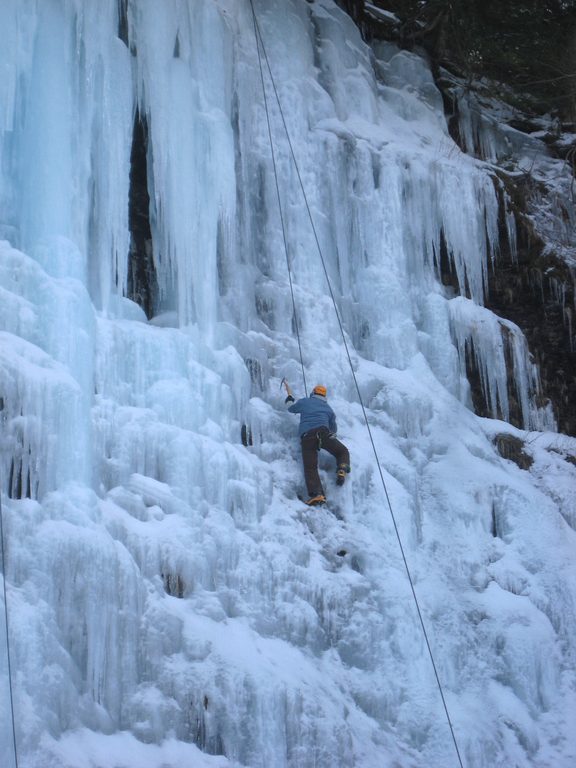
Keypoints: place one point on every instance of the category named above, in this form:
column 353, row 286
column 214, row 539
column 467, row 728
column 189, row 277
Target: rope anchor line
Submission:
column 7, row 625
column 260, row 42
column 295, row 313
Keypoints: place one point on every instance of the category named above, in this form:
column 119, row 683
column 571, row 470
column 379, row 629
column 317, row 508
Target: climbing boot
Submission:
column 315, row 501
column 341, row 473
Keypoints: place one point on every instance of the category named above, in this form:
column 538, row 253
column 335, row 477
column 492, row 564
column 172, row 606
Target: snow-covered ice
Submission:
column 170, row 600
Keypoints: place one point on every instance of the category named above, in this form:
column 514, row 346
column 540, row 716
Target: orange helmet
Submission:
column 319, row 389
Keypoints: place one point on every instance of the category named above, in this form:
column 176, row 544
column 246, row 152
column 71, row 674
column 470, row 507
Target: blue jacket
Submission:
column 314, row 413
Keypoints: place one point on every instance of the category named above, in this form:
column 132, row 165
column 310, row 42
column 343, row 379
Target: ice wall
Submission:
column 172, row 601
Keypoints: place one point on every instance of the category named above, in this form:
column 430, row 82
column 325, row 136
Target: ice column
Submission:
column 188, row 106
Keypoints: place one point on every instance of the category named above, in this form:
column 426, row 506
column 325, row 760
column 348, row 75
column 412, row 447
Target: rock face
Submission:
column 533, row 286
column 512, row 448
column 536, row 291
column 531, row 282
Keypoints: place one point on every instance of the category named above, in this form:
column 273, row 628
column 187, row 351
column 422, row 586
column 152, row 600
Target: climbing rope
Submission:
column 3, row 554
column 295, row 314
column 260, row 41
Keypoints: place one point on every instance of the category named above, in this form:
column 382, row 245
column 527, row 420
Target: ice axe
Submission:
column 284, row 383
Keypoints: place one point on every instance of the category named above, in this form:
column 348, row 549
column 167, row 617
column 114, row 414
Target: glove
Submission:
column 289, row 398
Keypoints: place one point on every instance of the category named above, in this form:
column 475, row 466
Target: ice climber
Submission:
column 317, row 430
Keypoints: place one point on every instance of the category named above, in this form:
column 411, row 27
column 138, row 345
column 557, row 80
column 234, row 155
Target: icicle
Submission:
column 511, row 229
column 492, row 340
column 187, row 107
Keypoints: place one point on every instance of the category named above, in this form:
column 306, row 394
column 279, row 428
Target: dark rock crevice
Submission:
column 174, row 584
column 123, row 21
column 142, row 280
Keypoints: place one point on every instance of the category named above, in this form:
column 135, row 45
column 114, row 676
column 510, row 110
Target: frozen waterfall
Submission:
column 171, row 603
